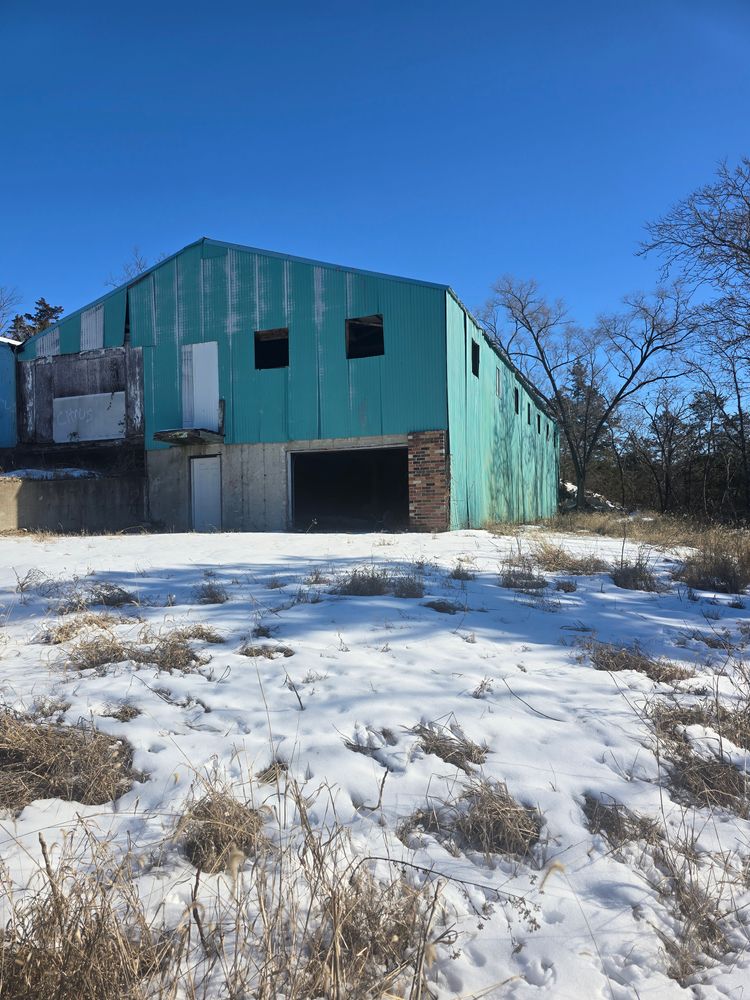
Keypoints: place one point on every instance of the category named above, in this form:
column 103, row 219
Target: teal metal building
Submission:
column 269, row 391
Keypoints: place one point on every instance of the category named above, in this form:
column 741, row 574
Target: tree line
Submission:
column 652, row 400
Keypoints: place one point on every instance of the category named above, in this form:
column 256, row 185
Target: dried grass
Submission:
column 264, row 651
column 54, row 635
column 520, row 574
column 720, row 562
column 169, row 651
column 462, row 572
column 407, row 585
column 40, row 760
column 706, row 779
column 490, row 820
column 210, row 592
column 84, row 936
column 557, row 559
column 218, row 831
column 450, row 745
column 606, row 656
column 617, row 823
column 367, row 582
column 636, row 574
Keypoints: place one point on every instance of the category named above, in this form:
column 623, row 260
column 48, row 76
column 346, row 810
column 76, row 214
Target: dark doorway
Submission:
column 362, row 490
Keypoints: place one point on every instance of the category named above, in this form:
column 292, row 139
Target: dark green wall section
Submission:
column 502, row 467
column 210, row 292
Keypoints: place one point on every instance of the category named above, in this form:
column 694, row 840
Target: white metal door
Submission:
column 200, row 386
column 205, row 484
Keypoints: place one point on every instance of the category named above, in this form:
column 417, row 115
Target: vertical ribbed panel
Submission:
column 92, row 328
column 502, row 468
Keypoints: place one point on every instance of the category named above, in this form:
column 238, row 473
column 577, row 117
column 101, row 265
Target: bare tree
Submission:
column 707, row 234
column 136, row 264
column 588, row 374
column 9, row 299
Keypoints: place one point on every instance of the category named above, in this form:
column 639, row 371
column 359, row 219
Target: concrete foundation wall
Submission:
column 90, row 505
column 254, row 481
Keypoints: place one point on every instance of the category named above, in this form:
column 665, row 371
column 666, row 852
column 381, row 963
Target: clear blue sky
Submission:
column 446, row 141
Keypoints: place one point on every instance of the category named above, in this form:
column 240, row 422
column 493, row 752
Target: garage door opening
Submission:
column 362, row 490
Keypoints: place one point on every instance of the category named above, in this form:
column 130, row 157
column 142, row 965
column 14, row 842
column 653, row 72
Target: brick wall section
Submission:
column 429, row 481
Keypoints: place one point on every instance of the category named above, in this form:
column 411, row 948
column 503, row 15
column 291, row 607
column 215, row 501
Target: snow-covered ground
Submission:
column 506, row 669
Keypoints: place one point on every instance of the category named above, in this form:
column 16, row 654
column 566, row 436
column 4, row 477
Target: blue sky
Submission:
column 443, row 141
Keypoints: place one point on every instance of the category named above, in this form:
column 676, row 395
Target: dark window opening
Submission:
column 538, row 424
column 364, row 337
column 498, row 383
column 516, row 400
column 528, row 413
column 475, row 358
column 272, row 348
column 357, row 490
column 548, row 430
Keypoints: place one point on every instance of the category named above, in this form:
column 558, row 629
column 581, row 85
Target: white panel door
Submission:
column 206, row 386
column 205, row 486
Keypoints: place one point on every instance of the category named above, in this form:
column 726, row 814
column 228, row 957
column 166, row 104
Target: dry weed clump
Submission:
column 367, row 582
column 125, row 712
column 707, row 779
column 450, row 745
column 462, row 572
column 169, row 651
column 557, row 559
column 54, row 635
column 84, row 935
column 210, row 592
column 520, row 574
column 606, row 656
column 636, row 574
column 407, row 585
column 485, row 818
column 218, row 832
column 110, row 595
column 488, row 819
column 264, row 650
column 617, row 823
column 274, row 772
column 40, row 760
column 719, row 563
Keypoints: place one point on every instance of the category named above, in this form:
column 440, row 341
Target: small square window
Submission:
column 475, row 359
column 516, row 401
column 364, row 337
column 272, row 348
column 498, row 383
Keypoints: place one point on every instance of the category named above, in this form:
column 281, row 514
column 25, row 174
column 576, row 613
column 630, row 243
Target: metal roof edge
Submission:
column 322, row 263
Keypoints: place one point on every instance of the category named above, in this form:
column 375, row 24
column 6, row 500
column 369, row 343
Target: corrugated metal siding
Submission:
column 211, row 293
column 501, row 467
column 92, row 328
column 8, row 434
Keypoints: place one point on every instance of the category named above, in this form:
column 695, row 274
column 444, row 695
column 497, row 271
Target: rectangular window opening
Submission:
column 498, row 383
column 538, row 424
column 272, row 348
column 548, row 430
column 528, row 413
column 475, row 359
column 516, row 401
column 364, row 337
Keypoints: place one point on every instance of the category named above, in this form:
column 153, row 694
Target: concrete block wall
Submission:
column 429, row 481
column 72, row 505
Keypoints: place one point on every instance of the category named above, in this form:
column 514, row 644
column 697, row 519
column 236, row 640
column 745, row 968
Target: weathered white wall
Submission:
column 98, row 417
